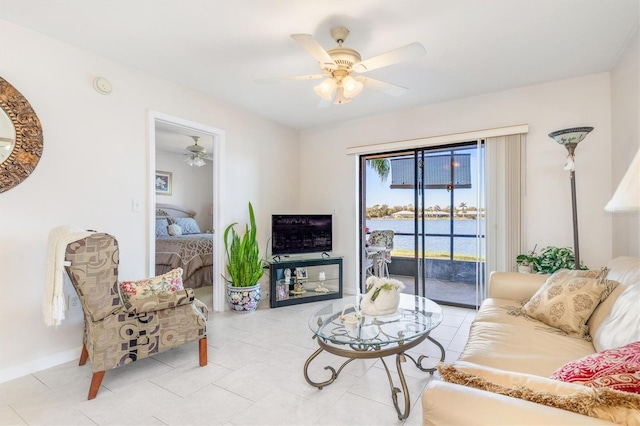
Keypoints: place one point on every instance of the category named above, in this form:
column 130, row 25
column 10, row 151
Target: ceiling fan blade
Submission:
column 381, row 86
column 391, row 57
column 292, row 77
column 313, row 47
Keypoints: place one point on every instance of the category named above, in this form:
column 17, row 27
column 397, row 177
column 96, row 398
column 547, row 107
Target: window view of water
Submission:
column 405, row 243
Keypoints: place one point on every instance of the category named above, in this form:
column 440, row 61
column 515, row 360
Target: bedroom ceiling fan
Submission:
column 197, row 154
column 341, row 65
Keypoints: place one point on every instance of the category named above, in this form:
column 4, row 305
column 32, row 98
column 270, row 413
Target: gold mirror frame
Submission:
column 28, row 146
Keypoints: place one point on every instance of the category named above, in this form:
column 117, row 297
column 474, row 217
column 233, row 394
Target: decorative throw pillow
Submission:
column 603, row 403
column 188, row 225
column 174, row 229
column 161, row 227
column 161, row 284
column 617, row 369
column 568, row 298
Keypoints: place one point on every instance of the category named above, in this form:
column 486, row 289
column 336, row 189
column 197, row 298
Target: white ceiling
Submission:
column 220, row 47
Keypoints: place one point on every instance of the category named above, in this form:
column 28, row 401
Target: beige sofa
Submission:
column 522, row 349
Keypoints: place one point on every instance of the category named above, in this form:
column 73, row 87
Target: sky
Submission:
column 378, row 192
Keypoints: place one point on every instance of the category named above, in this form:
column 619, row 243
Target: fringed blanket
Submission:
column 53, row 299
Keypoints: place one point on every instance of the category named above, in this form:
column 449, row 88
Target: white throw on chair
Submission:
column 384, row 239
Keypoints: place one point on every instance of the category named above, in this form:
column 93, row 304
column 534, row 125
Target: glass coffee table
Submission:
column 376, row 337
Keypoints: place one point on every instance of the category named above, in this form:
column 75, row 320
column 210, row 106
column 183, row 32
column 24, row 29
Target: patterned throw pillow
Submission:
column 617, row 369
column 162, row 284
column 161, row 227
column 188, row 225
column 568, row 298
column 174, row 229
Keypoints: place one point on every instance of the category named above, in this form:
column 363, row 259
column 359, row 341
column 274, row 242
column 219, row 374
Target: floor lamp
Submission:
column 570, row 138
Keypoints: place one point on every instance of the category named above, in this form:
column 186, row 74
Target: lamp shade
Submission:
column 351, row 87
column 572, row 135
column 325, row 89
column 626, row 199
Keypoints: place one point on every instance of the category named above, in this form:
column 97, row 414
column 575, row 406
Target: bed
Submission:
column 184, row 246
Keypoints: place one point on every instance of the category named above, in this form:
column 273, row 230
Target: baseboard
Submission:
column 40, row 364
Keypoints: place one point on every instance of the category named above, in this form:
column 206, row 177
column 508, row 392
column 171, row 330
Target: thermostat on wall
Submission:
column 102, row 85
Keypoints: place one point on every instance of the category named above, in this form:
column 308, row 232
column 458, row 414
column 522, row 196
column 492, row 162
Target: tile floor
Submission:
column 254, row 377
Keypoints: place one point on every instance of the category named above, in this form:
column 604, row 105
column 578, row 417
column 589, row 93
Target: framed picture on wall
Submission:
column 163, row 183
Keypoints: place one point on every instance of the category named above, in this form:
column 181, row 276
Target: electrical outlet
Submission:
column 73, row 302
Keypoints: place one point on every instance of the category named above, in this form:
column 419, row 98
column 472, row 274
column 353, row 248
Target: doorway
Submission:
column 432, row 199
column 211, row 213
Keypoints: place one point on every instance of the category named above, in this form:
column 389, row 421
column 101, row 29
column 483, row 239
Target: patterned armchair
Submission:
column 118, row 333
column 383, row 238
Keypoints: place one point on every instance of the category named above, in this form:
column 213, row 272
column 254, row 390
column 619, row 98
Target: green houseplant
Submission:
column 244, row 266
column 553, row 258
column 529, row 262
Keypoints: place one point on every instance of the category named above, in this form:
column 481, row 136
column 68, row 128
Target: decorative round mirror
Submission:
column 20, row 137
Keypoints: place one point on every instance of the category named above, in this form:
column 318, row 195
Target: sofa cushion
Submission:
column 617, row 369
column 603, row 403
column 527, row 346
column 616, row 322
column 159, row 285
column 568, row 298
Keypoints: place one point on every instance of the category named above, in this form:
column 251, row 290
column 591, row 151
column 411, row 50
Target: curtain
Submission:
column 504, row 177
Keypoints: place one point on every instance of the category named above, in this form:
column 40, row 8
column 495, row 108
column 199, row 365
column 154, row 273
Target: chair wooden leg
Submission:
column 203, row 351
column 84, row 355
column 96, row 380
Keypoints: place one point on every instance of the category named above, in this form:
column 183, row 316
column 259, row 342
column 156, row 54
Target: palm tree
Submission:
column 382, row 166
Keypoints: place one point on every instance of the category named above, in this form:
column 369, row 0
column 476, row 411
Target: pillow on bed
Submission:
column 174, row 229
column 162, row 284
column 161, row 227
column 188, row 225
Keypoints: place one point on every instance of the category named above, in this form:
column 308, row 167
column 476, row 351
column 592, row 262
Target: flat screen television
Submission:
column 301, row 233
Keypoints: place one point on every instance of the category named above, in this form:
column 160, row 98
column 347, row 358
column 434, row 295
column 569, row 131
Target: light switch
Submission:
column 136, row 205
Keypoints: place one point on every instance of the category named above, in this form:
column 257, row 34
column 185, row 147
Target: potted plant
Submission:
column 528, row 263
column 244, row 267
column 552, row 259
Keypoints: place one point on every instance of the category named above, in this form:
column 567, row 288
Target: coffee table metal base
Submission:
column 366, row 353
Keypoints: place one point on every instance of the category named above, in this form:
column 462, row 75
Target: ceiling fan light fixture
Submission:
column 325, row 89
column 351, row 87
column 198, row 162
column 340, row 97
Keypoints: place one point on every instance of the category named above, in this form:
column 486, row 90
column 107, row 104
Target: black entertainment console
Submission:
column 310, row 279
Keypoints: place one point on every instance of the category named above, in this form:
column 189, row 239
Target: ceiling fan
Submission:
column 341, row 65
column 197, row 154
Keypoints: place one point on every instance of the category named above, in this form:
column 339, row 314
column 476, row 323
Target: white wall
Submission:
column 581, row 101
column 192, row 186
column 625, row 131
column 94, row 163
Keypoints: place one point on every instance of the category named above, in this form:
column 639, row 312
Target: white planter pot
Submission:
column 244, row 300
column 524, row 269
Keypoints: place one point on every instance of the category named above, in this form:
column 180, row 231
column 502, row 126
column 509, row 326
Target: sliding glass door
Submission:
column 433, row 201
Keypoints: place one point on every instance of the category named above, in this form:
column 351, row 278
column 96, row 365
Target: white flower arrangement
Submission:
column 376, row 284
column 382, row 297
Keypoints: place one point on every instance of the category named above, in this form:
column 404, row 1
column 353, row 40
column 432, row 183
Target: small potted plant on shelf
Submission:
column 553, row 258
column 528, row 263
column 244, row 267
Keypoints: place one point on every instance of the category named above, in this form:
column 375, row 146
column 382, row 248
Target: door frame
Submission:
column 218, row 135
column 418, row 154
